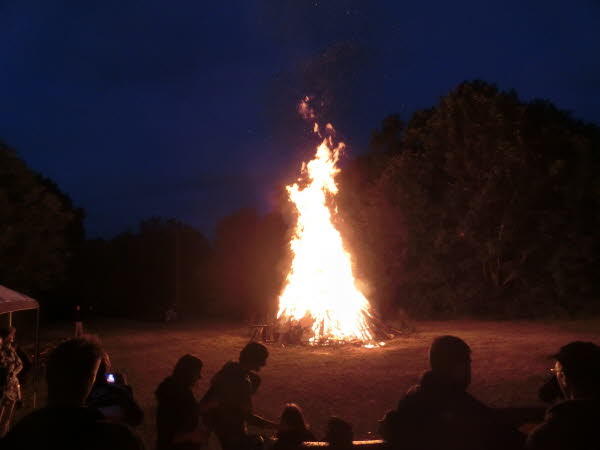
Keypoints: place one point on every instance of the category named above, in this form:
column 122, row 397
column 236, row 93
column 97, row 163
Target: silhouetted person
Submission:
column 178, row 412
column 65, row 423
column 574, row 423
column 232, row 389
column 78, row 322
column 439, row 413
column 113, row 397
column 10, row 388
column 339, row 434
column 292, row 429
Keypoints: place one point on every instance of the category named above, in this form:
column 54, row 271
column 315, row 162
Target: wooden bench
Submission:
column 361, row 445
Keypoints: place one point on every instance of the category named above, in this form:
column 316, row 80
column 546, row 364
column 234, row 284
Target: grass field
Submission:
column 510, row 360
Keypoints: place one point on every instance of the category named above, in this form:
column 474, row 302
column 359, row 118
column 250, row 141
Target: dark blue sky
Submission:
column 186, row 109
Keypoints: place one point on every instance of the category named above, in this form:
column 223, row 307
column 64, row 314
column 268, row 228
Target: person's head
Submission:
column 292, row 418
column 71, row 370
column 577, row 369
column 450, row 357
column 7, row 335
column 187, row 371
column 254, row 356
column 339, row 433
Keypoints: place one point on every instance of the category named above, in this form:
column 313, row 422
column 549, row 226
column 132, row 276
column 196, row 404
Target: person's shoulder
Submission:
column 472, row 402
column 230, row 371
column 309, row 435
column 413, row 396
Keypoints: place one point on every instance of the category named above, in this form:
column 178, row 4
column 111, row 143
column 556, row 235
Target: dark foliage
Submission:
column 249, row 265
column 142, row 275
column 40, row 229
column 486, row 206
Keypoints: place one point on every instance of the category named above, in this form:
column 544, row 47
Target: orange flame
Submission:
column 320, row 287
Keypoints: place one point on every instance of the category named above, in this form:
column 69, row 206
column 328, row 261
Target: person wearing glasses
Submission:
column 575, row 422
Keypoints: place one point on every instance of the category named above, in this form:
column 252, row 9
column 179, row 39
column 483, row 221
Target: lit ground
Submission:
column 357, row 384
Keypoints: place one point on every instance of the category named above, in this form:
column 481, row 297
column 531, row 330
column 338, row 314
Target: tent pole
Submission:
column 36, row 356
column 10, row 319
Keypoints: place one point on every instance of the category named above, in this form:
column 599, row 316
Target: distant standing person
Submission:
column 10, row 389
column 78, row 322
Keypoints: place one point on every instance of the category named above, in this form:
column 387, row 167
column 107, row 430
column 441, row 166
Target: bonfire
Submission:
column 320, row 295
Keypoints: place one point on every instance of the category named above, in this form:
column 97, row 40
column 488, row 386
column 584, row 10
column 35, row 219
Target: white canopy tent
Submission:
column 12, row 301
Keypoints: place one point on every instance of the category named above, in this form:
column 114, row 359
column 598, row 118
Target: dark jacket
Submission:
column 177, row 412
column 231, row 387
column 437, row 415
column 571, row 424
column 69, row 429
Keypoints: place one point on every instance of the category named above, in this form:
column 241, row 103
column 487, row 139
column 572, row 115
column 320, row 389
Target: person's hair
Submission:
column 339, row 432
column 447, row 351
column 292, row 416
column 253, row 352
column 187, row 369
column 70, row 366
column 580, row 363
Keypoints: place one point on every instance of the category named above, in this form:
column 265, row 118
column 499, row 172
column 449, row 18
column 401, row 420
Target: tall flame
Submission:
column 320, row 287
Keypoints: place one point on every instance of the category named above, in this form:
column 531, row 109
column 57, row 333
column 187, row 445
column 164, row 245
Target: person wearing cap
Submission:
column 439, row 413
column 575, row 422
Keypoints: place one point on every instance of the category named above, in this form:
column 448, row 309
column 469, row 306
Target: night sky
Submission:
column 187, row 109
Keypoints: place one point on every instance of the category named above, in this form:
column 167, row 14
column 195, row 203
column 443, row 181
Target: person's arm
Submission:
column 208, row 401
column 261, row 422
column 245, row 395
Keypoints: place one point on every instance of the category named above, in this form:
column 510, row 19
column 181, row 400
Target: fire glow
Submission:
column 320, row 290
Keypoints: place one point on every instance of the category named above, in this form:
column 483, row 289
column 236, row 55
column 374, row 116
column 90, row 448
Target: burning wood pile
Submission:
column 320, row 303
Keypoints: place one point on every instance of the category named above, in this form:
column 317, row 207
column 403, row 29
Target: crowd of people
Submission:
column 90, row 407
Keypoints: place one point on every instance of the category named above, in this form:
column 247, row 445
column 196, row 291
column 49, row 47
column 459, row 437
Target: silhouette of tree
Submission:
column 142, row 275
column 39, row 227
column 489, row 207
column 249, row 263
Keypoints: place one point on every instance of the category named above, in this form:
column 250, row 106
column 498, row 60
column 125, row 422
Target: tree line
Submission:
column 483, row 205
